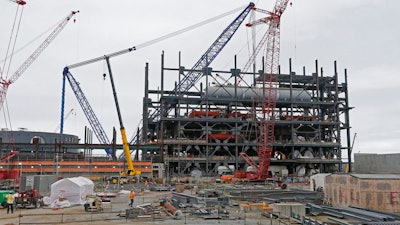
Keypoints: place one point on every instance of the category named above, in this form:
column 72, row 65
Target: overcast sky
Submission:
column 361, row 35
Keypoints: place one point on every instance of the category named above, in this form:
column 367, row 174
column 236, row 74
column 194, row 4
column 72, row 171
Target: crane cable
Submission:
column 6, row 114
column 178, row 32
column 16, row 26
column 12, row 42
column 156, row 40
column 33, row 40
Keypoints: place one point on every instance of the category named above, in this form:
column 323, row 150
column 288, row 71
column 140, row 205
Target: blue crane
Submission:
column 190, row 79
column 186, row 83
column 87, row 109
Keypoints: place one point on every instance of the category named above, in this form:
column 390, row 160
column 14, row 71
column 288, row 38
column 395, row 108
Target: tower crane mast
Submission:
column 269, row 87
column 6, row 82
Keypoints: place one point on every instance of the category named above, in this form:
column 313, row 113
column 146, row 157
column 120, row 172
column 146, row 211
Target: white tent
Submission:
column 73, row 189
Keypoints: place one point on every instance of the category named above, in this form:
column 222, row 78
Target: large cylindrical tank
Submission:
column 253, row 93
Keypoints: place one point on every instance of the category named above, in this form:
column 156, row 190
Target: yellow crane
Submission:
column 131, row 171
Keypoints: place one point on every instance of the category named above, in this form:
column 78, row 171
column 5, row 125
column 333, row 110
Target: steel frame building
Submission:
column 207, row 128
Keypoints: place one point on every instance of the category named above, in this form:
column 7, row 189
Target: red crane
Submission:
column 6, row 82
column 8, row 156
column 269, row 87
column 19, row 2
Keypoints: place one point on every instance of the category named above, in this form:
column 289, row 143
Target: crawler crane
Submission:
column 131, row 170
column 269, row 92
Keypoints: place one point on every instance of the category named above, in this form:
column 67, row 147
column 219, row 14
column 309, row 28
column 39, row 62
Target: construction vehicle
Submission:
column 131, row 170
column 269, row 82
column 93, row 204
column 28, row 199
column 3, row 197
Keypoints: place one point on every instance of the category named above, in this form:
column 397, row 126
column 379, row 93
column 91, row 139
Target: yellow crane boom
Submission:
column 132, row 171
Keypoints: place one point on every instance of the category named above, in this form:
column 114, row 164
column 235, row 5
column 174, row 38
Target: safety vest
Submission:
column 131, row 195
column 10, row 198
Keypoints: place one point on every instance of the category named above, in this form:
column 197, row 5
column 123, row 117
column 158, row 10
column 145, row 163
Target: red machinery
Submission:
column 269, row 87
column 9, row 155
column 9, row 173
column 28, row 199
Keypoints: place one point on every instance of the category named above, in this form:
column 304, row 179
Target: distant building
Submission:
column 36, row 137
column 377, row 163
column 34, row 144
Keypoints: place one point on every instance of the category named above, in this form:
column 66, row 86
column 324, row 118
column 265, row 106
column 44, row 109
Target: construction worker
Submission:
column 132, row 198
column 10, row 203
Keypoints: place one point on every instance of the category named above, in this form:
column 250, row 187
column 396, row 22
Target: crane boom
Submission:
column 88, row 111
column 131, row 170
column 205, row 60
column 269, row 86
column 190, row 79
column 257, row 49
column 32, row 57
column 134, row 48
column 9, row 156
column 19, row 2
column 41, row 48
column 156, row 40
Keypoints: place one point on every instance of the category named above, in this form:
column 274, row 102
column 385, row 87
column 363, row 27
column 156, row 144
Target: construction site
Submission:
column 252, row 144
column 243, row 122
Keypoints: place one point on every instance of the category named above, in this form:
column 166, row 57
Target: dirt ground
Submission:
column 114, row 213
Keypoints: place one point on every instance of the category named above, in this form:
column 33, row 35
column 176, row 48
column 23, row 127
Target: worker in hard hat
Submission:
column 132, row 198
column 10, row 203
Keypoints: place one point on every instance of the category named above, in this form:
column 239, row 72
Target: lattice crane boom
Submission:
column 269, row 87
column 190, row 79
column 41, row 48
column 269, row 84
column 88, row 110
column 6, row 82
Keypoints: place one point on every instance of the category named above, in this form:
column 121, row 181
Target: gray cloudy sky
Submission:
column 361, row 35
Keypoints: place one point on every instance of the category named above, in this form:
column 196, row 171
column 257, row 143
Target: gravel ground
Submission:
column 114, row 213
